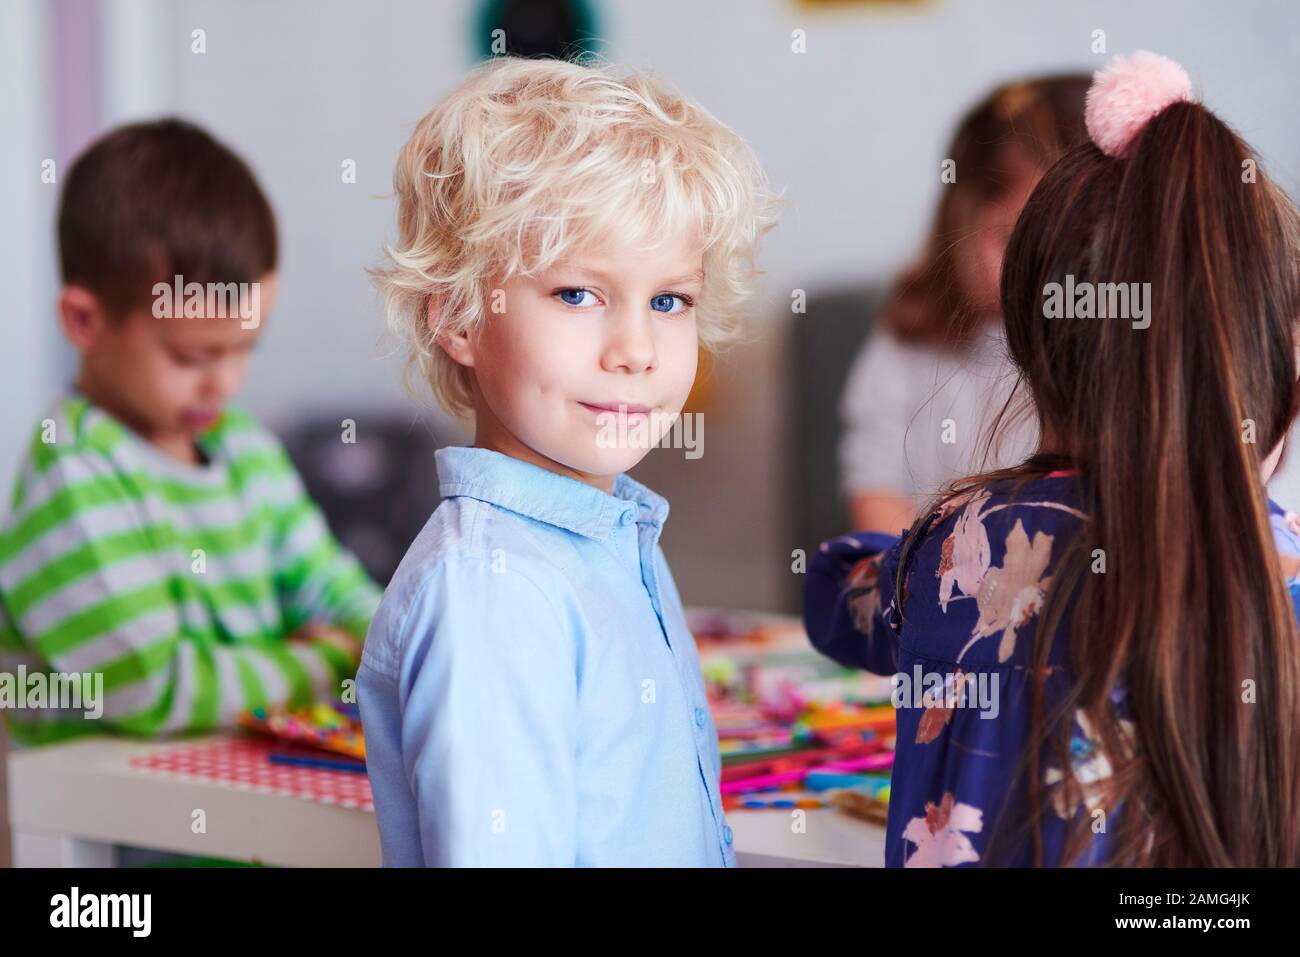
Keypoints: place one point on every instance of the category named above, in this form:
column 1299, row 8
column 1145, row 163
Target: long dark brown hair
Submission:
column 1019, row 129
column 1168, row 426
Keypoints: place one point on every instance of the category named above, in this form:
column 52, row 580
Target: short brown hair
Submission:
column 149, row 201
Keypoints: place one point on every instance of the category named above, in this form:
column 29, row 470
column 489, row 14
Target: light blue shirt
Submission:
column 530, row 691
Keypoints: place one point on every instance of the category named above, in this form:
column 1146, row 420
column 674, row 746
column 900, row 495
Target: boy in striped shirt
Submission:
column 160, row 543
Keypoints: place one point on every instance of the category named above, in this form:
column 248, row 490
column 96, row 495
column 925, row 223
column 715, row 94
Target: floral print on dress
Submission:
column 939, row 708
column 863, row 582
column 965, row 554
column 974, row 583
column 941, row 835
column 1011, row 594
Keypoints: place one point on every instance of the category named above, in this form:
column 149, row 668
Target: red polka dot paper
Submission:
column 245, row 765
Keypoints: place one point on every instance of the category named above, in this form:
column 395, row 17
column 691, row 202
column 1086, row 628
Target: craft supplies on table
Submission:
column 325, row 764
column 245, row 763
column 333, row 727
column 795, row 730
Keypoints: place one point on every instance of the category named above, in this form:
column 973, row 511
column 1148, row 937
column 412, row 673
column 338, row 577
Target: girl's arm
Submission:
column 849, row 606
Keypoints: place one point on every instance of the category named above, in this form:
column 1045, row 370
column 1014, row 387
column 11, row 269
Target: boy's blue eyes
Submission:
column 574, row 297
column 667, row 303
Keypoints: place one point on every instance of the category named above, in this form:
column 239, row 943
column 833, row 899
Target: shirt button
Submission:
column 726, row 833
column 699, row 717
column 626, row 518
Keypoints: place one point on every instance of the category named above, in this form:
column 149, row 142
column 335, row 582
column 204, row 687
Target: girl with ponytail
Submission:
column 1096, row 651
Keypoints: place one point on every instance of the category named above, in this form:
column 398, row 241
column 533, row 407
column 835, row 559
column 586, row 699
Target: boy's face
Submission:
column 166, row 378
column 585, row 366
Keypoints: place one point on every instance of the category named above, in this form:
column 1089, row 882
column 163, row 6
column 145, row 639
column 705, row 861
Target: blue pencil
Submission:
column 327, row 764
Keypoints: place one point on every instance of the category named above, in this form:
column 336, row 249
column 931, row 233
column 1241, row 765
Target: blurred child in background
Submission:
column 160, row 542
column 933, row 379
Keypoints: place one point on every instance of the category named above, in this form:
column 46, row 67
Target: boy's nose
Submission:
column 223, row 380
column 630, row 347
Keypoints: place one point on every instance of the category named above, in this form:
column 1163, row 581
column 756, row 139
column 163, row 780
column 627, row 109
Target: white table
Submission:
column 829, row 839
column 70, row 803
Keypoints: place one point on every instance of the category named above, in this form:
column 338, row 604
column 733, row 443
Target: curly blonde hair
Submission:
column 529, row 160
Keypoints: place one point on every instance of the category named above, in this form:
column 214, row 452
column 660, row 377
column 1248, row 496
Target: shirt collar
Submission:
column 546, row 496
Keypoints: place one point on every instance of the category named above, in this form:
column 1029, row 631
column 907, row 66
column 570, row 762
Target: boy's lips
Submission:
column 617, row 408
column 201, row 420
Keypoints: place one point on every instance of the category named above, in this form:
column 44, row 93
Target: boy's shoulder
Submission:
column 464, row 532
column 73, row 425
column 75, row 440
column 70, row 426
column 68, row 441
column 477, row 557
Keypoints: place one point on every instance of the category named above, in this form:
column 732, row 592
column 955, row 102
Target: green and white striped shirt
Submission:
column 179, row 583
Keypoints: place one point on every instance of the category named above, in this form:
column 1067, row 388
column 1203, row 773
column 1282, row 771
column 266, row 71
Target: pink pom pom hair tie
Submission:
column 1127, row 93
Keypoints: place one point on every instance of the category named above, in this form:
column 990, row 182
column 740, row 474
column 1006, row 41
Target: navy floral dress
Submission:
column 975, row 581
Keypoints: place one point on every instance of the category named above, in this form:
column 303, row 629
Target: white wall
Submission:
column 29, row 345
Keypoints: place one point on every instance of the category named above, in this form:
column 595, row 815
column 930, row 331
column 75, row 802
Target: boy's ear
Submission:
column 458, row 345
column 82, row 316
